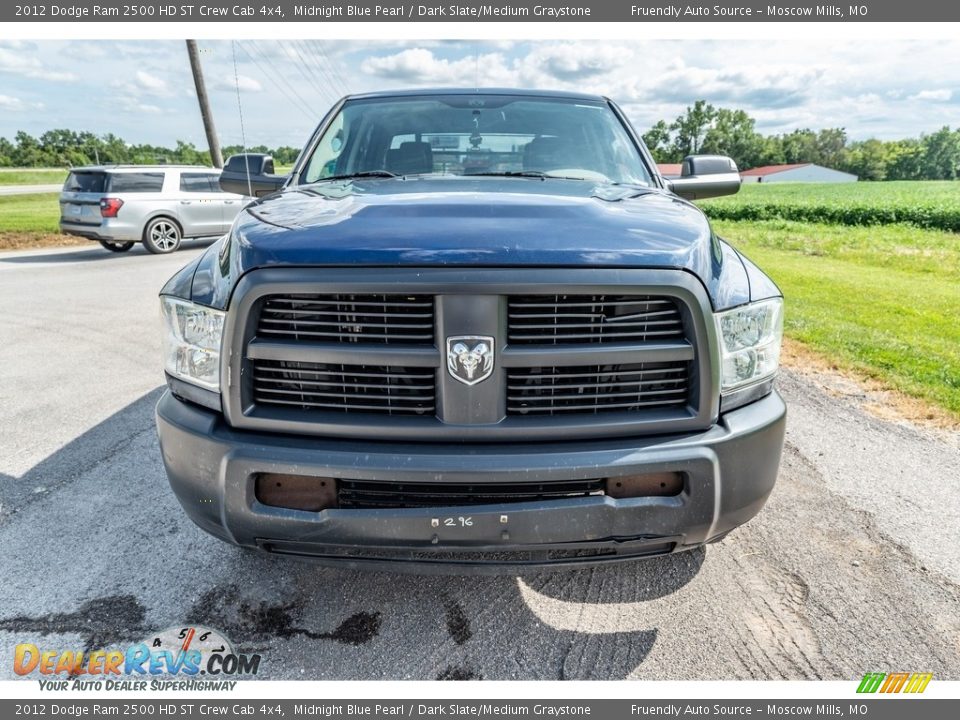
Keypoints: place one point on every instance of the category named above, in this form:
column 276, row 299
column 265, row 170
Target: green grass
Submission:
column 31, row 176
column 882, row 301
column 29, row 213
column 924, row 204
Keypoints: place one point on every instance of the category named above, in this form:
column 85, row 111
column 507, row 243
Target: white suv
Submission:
column 157, row 205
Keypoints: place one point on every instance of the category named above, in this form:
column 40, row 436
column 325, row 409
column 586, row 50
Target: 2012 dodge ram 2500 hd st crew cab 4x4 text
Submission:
column 472, row 327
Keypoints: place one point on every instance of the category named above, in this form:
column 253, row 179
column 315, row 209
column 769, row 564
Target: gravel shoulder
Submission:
column 852, row 566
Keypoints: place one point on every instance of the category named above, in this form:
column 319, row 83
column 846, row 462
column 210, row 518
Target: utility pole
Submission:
column 215, row 155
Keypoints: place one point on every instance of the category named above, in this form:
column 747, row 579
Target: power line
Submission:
column 323, row 66
column 304, row 69
column 280, row 76
column 334, row 70
column 299, row 104
column 309, row 61
column 243, row 134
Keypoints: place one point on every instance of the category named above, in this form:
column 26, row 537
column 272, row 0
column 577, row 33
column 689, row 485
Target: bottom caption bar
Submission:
column 876, row 709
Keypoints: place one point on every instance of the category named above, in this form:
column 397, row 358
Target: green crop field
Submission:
column 29, row 213
column 924, row 204
column 881, row 301
column 31, row 176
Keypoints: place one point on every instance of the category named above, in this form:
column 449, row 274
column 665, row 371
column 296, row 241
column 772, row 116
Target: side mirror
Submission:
column 706, row 176
column 250, row 174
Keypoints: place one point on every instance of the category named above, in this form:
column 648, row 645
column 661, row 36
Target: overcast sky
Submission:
column 143, row 92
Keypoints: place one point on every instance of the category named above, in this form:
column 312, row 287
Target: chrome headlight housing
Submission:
column 192, row 335
column 750, row 337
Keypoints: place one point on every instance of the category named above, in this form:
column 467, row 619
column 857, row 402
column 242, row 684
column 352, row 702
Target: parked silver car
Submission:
column 158, row 205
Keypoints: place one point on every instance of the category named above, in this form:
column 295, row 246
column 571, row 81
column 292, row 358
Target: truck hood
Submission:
column 479, row 222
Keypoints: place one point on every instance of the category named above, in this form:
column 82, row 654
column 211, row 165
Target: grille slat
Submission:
column 593, row 396
column 420, row 410
column 371, row 494
column 598, row 388
column 591, row 319
column 562, row 334
column 360, row 319
column 351, row 336
column 316, row 386
column 328, row 383
column 574, row 386
column 593, row 325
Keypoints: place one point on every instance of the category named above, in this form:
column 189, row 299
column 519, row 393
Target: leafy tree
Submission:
column 732, row 133
column 691, row 128
column 905, row 159
column 658, row 141
column 868, row 160
column 941, row 155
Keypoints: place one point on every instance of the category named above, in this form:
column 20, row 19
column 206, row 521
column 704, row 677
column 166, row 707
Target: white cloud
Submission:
column 942, row 95
column 17, row 61
column 420, row 66
column 12, row 104
column 134, row 106
column 151, row 83
column 578, row 60
column 244, row 82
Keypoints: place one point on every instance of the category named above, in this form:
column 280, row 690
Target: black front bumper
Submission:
column 730, row 471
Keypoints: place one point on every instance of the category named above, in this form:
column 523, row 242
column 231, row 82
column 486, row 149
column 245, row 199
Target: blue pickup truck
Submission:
column 472, row 328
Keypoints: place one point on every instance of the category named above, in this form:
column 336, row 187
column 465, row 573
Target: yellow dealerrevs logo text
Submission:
column 899, row 682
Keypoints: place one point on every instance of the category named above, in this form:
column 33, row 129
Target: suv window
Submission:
column 136, row 182
column 199, row 182
column 89, row 182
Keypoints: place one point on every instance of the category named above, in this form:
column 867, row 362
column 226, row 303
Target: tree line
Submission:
column 67, row 148
column 702, row 128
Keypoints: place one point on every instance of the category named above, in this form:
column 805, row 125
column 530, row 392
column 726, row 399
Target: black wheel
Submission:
column 162, row 236
column 117, row 247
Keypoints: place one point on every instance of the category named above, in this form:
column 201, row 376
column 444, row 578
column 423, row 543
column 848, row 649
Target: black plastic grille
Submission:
column 562, row 319
column 364, row 494
column 344, row 388
column 597, row 388
column 378, row 319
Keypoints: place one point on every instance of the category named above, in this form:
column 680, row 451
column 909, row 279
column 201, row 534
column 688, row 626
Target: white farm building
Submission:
column 801, row 172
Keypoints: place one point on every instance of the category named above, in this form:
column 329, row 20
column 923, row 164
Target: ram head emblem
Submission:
column 470, row 358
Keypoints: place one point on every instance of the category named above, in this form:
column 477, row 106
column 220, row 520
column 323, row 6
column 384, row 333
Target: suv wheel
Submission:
column 117, row 247
column 162, row 236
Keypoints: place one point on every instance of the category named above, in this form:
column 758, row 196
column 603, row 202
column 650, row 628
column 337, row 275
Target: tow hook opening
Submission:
column 296, row 492
column 657, row 484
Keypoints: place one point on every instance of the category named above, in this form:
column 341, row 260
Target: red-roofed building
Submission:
column 670, row 170
column 799, row 172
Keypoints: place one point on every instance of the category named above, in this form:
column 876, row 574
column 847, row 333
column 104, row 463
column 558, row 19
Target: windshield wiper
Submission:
column 523, row 174
column 510, row 173
column 361, row 174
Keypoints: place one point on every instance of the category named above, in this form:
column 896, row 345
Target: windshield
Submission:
column 477, row 135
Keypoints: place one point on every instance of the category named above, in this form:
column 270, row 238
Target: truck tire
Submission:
column 162, row 236
column 117, row 247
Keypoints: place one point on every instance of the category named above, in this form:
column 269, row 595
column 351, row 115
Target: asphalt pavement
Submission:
column 853, row 566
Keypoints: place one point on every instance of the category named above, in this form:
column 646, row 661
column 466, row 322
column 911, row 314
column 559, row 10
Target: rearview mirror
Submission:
column 706, row 176
column 250, row 174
